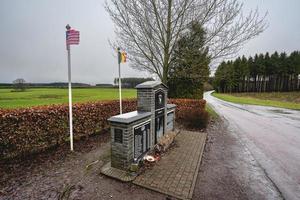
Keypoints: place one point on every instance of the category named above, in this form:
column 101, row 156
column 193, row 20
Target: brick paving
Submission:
column 175, row 174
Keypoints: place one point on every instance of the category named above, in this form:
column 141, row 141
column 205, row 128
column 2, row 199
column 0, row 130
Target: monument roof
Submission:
column 127, row 118
column 150, row 84
column 171, row 106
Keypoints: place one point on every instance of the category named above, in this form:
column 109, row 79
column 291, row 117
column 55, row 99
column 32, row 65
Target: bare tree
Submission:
column 149, row 30
column 19, row 84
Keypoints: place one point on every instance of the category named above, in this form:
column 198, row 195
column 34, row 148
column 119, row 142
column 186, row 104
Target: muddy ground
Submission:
column 227, row 171
column 62, row 175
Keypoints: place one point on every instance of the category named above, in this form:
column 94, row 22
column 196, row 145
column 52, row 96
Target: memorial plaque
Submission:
column 141, row 139
column 170, row 121
column 159, row 126
column 159, row 114
column 138, row 145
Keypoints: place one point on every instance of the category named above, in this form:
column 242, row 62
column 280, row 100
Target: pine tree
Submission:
column 190, row 67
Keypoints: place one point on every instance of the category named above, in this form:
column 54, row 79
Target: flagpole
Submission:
column 70, row 98
column 120, row 87
column 70, row 94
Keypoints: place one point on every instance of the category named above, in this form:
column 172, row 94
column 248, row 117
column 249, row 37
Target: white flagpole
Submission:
column 120, row 86
column 70, row 95
column 70, row 98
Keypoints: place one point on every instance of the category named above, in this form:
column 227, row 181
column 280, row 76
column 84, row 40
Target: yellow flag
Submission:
column 123, row 57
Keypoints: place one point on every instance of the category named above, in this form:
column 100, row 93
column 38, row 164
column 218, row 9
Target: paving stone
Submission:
column 116, row 173
column 176, row 172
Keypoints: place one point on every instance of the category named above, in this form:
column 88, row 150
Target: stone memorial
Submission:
column 133, row 134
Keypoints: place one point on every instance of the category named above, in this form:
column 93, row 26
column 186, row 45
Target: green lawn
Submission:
column 46, row 96
column 289, row 100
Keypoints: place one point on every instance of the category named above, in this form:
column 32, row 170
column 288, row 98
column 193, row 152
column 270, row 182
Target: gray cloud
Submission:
column 283, row 33
column 32, row 39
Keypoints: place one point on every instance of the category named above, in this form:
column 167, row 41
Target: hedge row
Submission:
column 26, row 131
column 32, row 130
column 191, row 113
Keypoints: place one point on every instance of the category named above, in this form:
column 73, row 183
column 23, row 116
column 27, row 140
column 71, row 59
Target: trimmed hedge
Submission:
column 31, row 130
column 36, row 129
column 191, row 113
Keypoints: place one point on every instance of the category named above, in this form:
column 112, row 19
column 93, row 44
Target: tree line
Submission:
column 261, row 73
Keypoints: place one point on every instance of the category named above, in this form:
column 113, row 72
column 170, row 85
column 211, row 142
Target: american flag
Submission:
column 72, row 37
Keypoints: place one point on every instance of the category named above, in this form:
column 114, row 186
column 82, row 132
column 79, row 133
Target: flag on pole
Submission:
column 72, row 37
column 122, row 57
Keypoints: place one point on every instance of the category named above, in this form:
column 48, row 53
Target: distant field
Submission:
column 289, row 100
column 46, row 96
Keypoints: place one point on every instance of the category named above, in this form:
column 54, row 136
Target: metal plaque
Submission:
column 141, row 139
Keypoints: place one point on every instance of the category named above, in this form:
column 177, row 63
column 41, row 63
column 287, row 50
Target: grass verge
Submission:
column 281, row 100
column 212, row 113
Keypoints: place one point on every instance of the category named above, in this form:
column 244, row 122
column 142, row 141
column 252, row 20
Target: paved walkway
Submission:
column 175, row 174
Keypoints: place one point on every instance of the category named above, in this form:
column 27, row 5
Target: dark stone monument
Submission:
column 133, row 134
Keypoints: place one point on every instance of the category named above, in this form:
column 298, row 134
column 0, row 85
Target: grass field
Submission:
column 46, row 96
column 289, row 100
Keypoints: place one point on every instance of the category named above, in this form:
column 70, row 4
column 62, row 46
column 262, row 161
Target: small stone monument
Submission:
column 133, row 134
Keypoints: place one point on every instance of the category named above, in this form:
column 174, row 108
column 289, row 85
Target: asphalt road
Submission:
column 272, row 135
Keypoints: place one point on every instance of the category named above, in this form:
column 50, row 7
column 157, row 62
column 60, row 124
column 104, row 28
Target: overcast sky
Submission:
column 32, row 38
